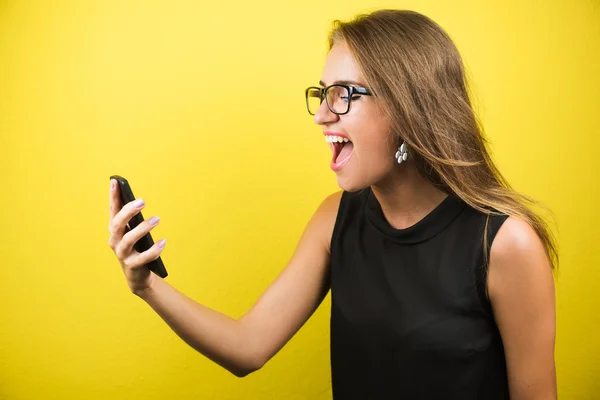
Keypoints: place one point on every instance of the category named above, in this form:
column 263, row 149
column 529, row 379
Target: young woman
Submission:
column 440, row 275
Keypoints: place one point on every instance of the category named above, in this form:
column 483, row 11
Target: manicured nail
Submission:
column 153, row 220
column 112, row 185
column 138, row 203
column 161, row 243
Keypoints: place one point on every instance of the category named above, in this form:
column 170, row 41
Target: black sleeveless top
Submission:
column 409, row 315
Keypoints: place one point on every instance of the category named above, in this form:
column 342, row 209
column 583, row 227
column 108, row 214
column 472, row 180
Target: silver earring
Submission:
column 402, row 153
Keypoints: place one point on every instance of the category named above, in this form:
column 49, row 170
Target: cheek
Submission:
column 374, row 142
column 373, row 149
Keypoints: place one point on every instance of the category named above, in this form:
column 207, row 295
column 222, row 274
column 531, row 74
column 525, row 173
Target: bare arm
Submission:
column 521, row 290
column 241, row 346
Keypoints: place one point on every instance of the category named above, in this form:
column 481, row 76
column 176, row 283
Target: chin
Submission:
column 351, row 185
column 350, row 181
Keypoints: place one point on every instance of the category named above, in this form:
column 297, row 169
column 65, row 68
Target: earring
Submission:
column 401, row 154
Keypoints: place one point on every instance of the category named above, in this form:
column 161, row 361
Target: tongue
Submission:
column 345, row 152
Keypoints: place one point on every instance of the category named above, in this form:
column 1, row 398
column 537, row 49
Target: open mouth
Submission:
column 342, row 149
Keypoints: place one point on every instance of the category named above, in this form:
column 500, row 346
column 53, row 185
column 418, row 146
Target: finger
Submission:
column 118, row 223
column 133, row 236
column 114, row 201
column 113, row 240
column 143, row 258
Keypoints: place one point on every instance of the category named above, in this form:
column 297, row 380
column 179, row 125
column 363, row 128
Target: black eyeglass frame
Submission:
column 352, row 90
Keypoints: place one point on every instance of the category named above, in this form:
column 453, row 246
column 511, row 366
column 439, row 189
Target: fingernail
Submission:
column 112, row 185
column 153, row 220
column 161, row 243
column 138, row 203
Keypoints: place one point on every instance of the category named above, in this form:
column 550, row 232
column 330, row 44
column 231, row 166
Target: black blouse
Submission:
column 410, row 318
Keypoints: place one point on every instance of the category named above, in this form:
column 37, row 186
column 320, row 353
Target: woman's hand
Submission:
column 121, row 241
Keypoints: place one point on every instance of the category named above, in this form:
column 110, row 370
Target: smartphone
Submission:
column 146, row 241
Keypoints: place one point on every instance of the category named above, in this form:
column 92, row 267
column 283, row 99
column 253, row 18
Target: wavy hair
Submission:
column 418, row 78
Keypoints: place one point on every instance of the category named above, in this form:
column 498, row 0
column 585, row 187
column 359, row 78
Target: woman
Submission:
column 441, row 277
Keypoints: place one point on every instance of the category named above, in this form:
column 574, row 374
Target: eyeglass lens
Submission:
column 337, row 99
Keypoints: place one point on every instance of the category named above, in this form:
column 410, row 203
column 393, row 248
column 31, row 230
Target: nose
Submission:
column 324, row 115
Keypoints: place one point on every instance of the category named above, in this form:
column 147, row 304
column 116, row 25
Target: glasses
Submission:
column 337, row 97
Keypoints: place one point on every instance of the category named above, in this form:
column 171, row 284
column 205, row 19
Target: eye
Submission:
column 355, row 97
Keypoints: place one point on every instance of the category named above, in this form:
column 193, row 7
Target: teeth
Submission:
column 333, row 139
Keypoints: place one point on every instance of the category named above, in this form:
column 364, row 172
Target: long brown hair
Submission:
column 417, row 74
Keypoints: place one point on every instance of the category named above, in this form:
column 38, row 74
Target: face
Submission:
column 367, row 158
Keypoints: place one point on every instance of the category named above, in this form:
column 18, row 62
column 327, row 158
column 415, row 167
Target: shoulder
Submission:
column 330, row 205
column 517, row 254
column 323, row 221
column 516, row 239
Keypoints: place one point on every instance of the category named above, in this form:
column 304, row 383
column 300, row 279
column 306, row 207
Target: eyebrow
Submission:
column 343, row 82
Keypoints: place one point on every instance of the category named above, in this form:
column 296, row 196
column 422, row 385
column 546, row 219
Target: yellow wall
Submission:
column 201, row 107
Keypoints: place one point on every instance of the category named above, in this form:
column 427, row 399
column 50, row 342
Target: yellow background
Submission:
column 200, row 105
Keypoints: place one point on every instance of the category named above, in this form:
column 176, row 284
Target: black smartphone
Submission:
column 146, row 241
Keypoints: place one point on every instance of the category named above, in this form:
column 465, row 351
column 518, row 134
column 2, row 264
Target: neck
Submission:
column 406, row 197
